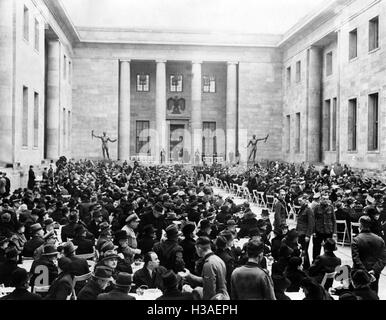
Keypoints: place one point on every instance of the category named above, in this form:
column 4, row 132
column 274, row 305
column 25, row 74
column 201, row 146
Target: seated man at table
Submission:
column 100, row 279
column 121, row 289
column 171, row 291
column 35, row 242
column 8, row 266
column 19, row 280
column 151, row 273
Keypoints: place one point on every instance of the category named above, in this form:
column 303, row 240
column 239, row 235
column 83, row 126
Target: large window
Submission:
column 209, row 143
column 374, row 34
column 329, row 63
column 373, row 132
column 353, row 44
column 176, row 83
column 37, row 35
column 26, row 23
column 36, row 119
column 298, row 71
column 352, row 125
column 143, row 82
column 142, row 142
column 297, row 137
column 209, row 84
column 25, row 118
column 326, row 125
column 333, row 124
column 288, row 133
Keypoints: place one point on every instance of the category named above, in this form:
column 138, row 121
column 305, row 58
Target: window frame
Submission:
column 138, row 147
column 329, row 70
column 375, row 132
column 354, row 126
column 138, row 86
column 374, row 46
column 26, row 24
column 212, row 83
column 171, row 76
column 350, row 56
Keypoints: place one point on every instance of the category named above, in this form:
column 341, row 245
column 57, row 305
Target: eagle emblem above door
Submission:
column 176, row 105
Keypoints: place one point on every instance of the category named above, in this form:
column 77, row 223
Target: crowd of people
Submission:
column 185, row 237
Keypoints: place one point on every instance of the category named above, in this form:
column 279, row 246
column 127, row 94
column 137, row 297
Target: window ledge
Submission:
column 353, row 59
column 374, row 50
column 352, row 152
column 24, row 148
column 373, row 152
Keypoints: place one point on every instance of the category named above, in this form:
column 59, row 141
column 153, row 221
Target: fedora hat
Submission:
column 108, row 246
column 133, row 218
column 330, row 245
column 103, row 273
column 265, row 213
column 108, row 255
column 69, row 248
column 35, row 228
column 124, row 280
column 172, row 231
column 49, row 250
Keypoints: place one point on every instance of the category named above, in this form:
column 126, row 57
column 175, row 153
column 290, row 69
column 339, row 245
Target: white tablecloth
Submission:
column 149, row 294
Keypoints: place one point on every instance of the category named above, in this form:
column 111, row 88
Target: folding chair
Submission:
column 291, row 215
column 226, row 187
column 84, row 277
column 247, row 194
column 270, row 202
column 239, row 191
column 342, row 242
column 259, row 198
column 356, row 232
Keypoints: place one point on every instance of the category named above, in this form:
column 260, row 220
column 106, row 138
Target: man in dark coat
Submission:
column 100, row 279
column 325, row 263
column 169, row 251
column 47, row 263
column 35, row 242
column 368, row 251
column 84, row 245
column 361, row 282
column 188, row 245
column 61, row 288
column 223, row 251
column 31, row 178
column 121, row 289
column 156, row 219
column 280, row 211
column 151, row 273
column 8, row 266
column 305, row 228
column 147, row 240
column 19, row 280
column 171, row 291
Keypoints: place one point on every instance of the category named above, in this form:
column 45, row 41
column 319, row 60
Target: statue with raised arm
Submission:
column 105, row 140
column 253, row 143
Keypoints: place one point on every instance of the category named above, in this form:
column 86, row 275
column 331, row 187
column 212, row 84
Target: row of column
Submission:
column 160, row 109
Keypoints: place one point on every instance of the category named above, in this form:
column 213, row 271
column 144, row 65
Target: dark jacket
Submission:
column 175, row 294
column 368, row 252
column 51, row 268
column 68, row 231
column 325, row 221
column 250, row 282
column 325, row 263
column 170, row 254
column 21, row 295
column 365, row 293
column 90, row 291
column 146, row 244
column 116, row 294
column 6, row 269
column 84, row 245
column 142, row 277
column 31, row 245
column 305, row 221
column 158, row 223
column 189, row 253
column 61, row 288
column 230, row 264
column 295, row 276
column 280, row 215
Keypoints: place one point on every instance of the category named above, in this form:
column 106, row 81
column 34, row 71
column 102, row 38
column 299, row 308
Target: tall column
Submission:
column 124, row 111
column 231, row 112
column 314, row 107
column 196, row 110
column 160, row 111
column 53, row 108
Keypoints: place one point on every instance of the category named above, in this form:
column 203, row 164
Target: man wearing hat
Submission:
column 250, row 282
column 170, row 253
column 120, row 289
column 125, row 253
column 19, row 280
column 68, row 231
column 8, row 266
column 147, row 239
column 61, row 288
column 224, row 243
column 361, row 281
column 368, row 251
column 35, row 242
column 47, row 263
column 97, row 219
column 325, row 263
column 171, row 291
column 84, row 245
column 100, row 279
column 205, row 228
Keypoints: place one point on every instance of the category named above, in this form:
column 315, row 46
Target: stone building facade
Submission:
column 317, row 91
